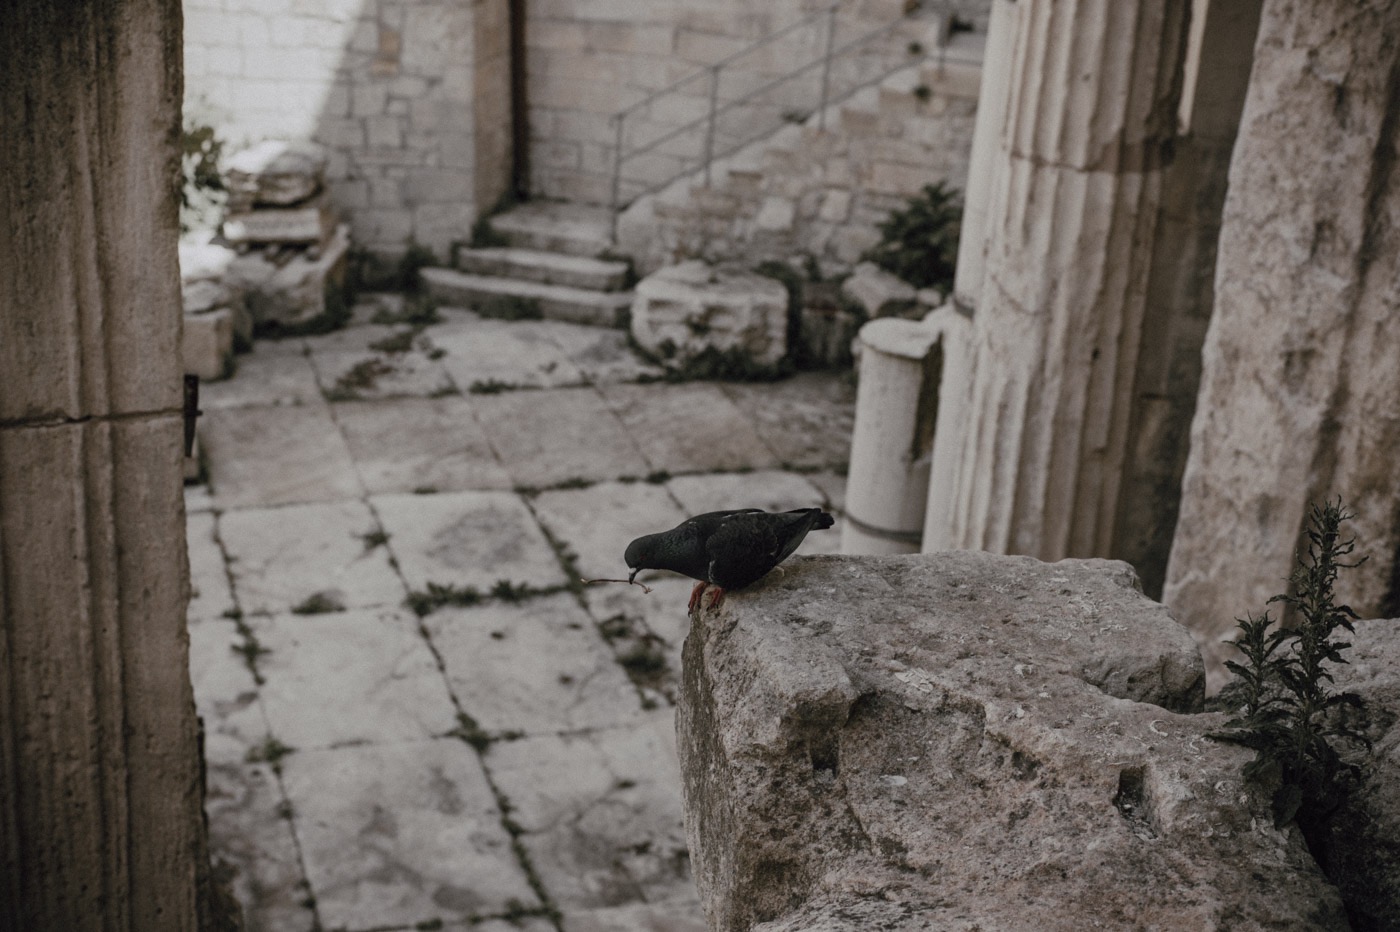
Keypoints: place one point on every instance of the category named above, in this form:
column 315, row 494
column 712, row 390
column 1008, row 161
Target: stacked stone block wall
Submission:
column 411, row 98
column 588, row 59
column 823, row 193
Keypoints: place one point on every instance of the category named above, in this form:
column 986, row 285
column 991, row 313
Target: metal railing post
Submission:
column 826, row 66
column 617, row 177
column 710, row 127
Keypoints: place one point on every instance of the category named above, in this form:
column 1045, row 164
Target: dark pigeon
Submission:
column 725, row 549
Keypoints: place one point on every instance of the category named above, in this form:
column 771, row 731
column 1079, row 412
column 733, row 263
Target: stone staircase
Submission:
column 820, row 187
column 555, row 265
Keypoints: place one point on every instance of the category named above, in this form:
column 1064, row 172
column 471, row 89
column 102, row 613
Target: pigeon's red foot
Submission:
column 696, row 595
column 718, row 599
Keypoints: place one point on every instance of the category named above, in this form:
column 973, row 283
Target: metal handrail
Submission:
column 746, row 50
column 716, row 109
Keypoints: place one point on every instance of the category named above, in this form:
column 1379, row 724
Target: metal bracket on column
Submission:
column 192, row 411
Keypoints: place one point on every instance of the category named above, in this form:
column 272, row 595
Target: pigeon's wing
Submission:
column 748, row 544
column 702, row 526
column 681, row 549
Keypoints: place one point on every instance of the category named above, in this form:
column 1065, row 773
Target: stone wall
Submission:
column 590, row 58
column 411, row 98
column 821, row 192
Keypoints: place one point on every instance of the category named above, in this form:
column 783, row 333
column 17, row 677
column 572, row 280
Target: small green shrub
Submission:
column 1288, row 715
column 919, row 244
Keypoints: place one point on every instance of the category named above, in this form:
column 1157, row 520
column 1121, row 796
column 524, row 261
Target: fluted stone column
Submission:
column 100, row 821
column 1300, row 394
column 1090, row 119
column 986, row 140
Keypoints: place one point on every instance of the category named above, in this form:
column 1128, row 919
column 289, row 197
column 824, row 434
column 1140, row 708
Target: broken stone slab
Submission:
column 295, row 291
column 961, row 741
column 878, row 292
column 307, row 225
column 686, row 311
column 275, row 173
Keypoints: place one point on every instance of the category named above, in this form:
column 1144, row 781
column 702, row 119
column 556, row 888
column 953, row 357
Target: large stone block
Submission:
column 963, row 741
column 688, row 310
column 879, row 292
column 275, row 172
column 207, row 344
column 295, row 291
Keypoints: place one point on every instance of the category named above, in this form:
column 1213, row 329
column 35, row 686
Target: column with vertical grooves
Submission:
column 1090, row 115
column 100, row 787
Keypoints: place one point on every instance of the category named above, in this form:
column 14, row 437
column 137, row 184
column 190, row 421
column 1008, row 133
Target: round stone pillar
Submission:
column 1090, row 116
column 900, row 364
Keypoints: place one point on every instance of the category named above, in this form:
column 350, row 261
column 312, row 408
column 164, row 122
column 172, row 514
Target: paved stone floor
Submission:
column 415, row 716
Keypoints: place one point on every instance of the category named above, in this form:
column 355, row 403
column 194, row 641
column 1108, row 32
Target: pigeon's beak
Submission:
column 633, row 575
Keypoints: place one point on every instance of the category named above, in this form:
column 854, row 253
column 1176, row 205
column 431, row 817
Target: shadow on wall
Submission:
column 412, row 101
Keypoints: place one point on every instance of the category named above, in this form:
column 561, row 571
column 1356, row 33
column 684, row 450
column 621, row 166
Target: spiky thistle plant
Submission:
column 1288, row 712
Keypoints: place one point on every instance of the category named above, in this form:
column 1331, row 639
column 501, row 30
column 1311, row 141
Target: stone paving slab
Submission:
column 276, row 456
column 769, row 489
column 467, row 539
column 398, row 826
column 264, row 378
column 691, row 427
column 601, row 812
column 806, row 419
column 347, row 677
column 280, row 557
column 601, row 354
column 833, row 486
column 210, row 594
column 685, row 916
column 526, row 924
column 225, row 694
column 537, row 667
column 662, row 612
column 483, row 353
column 249, row 833
column 357, row 339
column 409, row 444
column 597, row 523
column 399, row 834
column 367, row 376
column 546, row 438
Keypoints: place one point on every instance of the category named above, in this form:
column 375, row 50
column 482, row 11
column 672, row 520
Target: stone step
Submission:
column 546, row 268
column 554, row 302
column 556, row 226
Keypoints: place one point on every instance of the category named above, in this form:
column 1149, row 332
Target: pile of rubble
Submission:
column 276, row 263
